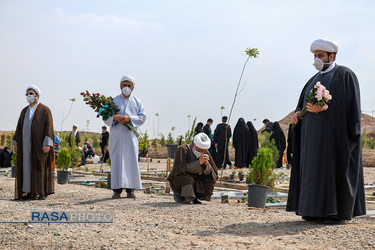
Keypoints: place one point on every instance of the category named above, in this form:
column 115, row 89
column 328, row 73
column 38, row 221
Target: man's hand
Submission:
column 295, row 117
column 315, row 108
column 15, row 148
column 46, row 148
column 122, row 118
column 203, row 159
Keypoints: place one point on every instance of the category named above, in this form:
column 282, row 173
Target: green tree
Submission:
column 162, row 140
column 154, row 145
column 267, row 142
column 95, row 141
column 189, row 135
column 143, row 145
column 170, row 138
column 3, row 139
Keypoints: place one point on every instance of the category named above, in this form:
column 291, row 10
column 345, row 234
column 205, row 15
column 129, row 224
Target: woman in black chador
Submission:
column 241, row 141
column 253, row 143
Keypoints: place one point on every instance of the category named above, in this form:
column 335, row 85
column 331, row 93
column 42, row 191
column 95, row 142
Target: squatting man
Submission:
column 194, row 172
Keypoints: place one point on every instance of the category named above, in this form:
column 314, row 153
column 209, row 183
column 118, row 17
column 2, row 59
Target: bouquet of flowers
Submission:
column 105, row 107
column 319, row 96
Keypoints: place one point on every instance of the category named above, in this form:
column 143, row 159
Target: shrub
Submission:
column 267, row 142
column 260, row 172
column 64, row 159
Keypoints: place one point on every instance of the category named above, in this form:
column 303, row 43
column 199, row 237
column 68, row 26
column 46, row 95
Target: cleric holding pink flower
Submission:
column 123, row 143
column 326, row 182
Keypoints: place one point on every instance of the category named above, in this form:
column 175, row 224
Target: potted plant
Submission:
column 240, row 175
column 231, row 176
column 13, row 161
column 63, row 162
column 262, row 177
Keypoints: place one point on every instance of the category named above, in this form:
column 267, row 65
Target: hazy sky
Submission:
column 186, row 56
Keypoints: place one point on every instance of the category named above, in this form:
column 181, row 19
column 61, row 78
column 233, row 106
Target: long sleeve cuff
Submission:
column 48, row 141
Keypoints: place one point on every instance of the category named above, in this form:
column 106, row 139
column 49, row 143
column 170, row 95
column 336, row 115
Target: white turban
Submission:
column 324, row 45
column 128, row 78
column 75, row 125
column 33, row 87
column 202, row 141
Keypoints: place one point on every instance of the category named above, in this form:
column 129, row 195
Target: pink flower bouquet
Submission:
column 319, row 96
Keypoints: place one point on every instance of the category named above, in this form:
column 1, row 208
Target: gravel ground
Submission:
column 153, row 221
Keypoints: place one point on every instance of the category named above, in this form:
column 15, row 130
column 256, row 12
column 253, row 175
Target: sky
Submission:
column 186, row 56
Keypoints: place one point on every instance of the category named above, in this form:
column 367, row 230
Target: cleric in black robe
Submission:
column 327, row 174
column 241, row 143
column 254, row 143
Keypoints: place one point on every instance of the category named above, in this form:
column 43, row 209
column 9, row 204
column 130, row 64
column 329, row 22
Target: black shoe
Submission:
column 196, row 201
column 26, row 197
column 308, row 218
column 332, row 221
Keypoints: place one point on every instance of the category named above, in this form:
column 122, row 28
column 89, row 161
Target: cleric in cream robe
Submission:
column 326, row 183
column 123, row 144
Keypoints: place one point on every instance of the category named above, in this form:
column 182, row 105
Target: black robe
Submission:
column 336, row 188
column 289, row 150
column 280, row 142
column 199, row 128
column 241, row 143
column 254, row 143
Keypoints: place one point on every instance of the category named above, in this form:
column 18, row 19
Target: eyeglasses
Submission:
column 29, row 94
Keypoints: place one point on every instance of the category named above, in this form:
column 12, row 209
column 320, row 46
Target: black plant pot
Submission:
column 172, row 149
column 62, row 176
column 13, row 171
column 231, row 177
column 257, row 195
column 240, row 177
column 108, row 180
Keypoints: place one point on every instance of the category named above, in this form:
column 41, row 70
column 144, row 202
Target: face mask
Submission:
column 30, row 99
column 319, row 64
column 126, row 91
column 196, row 153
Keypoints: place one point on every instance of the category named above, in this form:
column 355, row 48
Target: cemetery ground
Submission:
column 156, row 221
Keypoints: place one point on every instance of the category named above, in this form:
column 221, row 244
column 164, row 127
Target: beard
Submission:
column 326, row 65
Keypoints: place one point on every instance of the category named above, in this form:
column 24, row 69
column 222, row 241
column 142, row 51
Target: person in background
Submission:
column 222, row 135
column 104, row 140
column 199, row 128
column 74, row 134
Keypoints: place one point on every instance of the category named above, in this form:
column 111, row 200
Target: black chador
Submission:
column 253, row 143
column 241, row 143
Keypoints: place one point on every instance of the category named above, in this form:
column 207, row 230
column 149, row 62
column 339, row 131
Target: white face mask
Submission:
column 319, row 64
column 196, row 153
column 126, row 91
column 30, row 99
